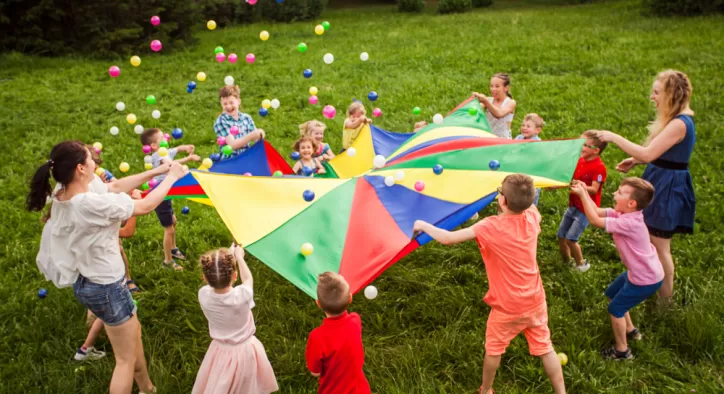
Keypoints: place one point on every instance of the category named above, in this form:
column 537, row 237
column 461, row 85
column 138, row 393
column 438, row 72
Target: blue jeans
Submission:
column 112, row 303
column 572, row 224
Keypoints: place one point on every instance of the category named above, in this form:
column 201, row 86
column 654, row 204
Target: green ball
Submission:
column 163, row 144
column 416, row 110
column 473, row 111
column 302, row 47
column 218, row 49
column 145, row 186
column 325, row 25
column 227, row 150
column 135, row 302
column 151, row 100
column 277, row 173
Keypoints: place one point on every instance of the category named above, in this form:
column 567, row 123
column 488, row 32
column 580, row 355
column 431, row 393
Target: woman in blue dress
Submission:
column 666, row 152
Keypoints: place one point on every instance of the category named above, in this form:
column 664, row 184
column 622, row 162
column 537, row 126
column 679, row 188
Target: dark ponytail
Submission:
column 64, row 158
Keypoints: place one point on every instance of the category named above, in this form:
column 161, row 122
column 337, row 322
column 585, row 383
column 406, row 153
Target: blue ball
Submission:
column 177, row 133
column 109, row 175
column 307, row 73
column 192, row 85
column 296, row 156
column 215, row 157
column 372, row 96
column 307, row 171
column 263, row 111
column 280, row 1
column 42, row 293
column 189, row 90
column 308, row 195
column 494, row 165
column 185, row 210
column 437, row 169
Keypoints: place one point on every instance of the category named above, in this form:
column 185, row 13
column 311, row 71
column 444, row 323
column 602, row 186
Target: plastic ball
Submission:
column 313, row 90
column 233, row 130
column 472, row 111
column 192, row 84
column 221, row 141
column 227, row 150
column 370, row 292
column 189, row 91
column 147, row 150
column 163, row 144
column 437, row 119
column 138, row 129
column 220, row 57
column 399, row 175
column 218, row 49
column 313, row 100
column 42, row 293
column 364, row 56
column 207, row 163
column 295, row 156
column 266, row 103
column 120, row 106
column 307, row 249
column 416, row 110
column 247, row 174
column 263, row 111
column 307, row 171
column 563, row 358
column 135, row 302
column 177, row 133
column 233, row 58
column 215, row 157
column 98, row 146
column 114, row 130
column 329, row 112
column 377, row 112
column 437, row 169
column 264, row 35
column 308, row 195
column 372, row 96
column 185, row 210
column 211, row 25
column 167, row 137
column 302, row 47
column 99, row 171
column 162, row 151
column 114, row 71
column 145, row 186
column 351, row 152
column 389, row 180
column 250, row 58
column 124, row 167
column 328, row 58
column 379, row 161
column 147, row 166
column 319, row 29
column 277, row 173
column 156, row 45
column 275, row 104
column 419, row 186
column 326, row 25
column 135, row 61
column 229, row 80
column 494, row 165
column 307, row 73
column 251, row 2
column 152, row 183
column 201, row 76
column 155, row 20
column 156, row 114
column 150, row 99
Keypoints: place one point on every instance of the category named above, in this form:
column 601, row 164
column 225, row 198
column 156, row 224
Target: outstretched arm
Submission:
column 128, row 183
column 443, row 236
column 672, row 134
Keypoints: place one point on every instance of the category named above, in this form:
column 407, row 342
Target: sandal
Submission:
column 178, row 254
column 133, row 289
column 173, row 265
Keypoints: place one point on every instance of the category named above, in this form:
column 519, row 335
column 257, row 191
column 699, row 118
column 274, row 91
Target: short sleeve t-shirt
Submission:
column 157, row 159
column 589, row 171
column 632, row 241
column 335, row 351
column 508, row 244
column 522, row 137
column 229, row 315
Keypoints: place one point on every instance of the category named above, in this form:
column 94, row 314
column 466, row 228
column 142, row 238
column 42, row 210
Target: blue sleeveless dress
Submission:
column 672, row 210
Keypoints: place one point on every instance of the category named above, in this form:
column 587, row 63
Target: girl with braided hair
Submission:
column 236, row 361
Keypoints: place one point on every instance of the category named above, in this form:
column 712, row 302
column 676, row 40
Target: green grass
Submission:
column 580, row 67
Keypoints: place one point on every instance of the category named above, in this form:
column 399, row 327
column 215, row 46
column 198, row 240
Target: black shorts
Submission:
column 164, row 212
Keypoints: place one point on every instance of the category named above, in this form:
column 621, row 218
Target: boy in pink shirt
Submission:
column 508, row 244
column 644, row 274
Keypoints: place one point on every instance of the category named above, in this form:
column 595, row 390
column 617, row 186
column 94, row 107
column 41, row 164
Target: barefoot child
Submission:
column 354, row 123
column 236, row 361
column 314, row 129
column 645, row 274
column 307, row 165
column 230, row 99
column 508, row 244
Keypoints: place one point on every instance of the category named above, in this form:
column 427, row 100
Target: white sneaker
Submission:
column 584, row 267
column 90, row 354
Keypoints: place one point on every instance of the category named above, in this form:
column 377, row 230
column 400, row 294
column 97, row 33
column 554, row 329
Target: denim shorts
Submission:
column 625, row 295
column 164, row 212
column 572, row 224
column 112, row 303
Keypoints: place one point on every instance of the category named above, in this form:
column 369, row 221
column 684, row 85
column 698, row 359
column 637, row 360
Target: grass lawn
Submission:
column 580, row 67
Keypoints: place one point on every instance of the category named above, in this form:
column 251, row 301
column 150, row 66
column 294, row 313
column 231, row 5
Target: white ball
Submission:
column 329, row 58
column 156, row 114
column 399, row 175
column 351, row 152
column 364, row 56
column 147, row 159
column 389, row 180
column 120, row 106
column 371, row 292
column 138, row 129
column 229, row 80
column 275, row 103
column 114, row 130
column 379, row 161
column 475, row 217
column 437, row 119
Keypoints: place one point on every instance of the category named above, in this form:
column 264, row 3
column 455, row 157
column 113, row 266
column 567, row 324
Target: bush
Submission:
column 291, row 10
column 411, row 5
column 450, row 6
column 684, row 7
column 482, row 3
column 227, row 12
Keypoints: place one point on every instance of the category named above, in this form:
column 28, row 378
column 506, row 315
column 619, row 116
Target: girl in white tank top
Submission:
column 500, row 108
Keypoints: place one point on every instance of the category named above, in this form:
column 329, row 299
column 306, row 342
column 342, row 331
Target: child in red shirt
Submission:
column 592, row 172
column 335, row 353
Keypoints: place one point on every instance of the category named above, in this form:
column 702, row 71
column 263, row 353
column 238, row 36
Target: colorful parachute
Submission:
column 359, row 227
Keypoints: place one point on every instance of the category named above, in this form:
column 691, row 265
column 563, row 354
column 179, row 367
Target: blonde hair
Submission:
column 218, row 268
column 332, row 293
column 354, row 107
column 506, row 81
column 303, row 139
column 643, row 191
column 305, row 129
column 536, row 119
column 518, row 191
column 676, row 93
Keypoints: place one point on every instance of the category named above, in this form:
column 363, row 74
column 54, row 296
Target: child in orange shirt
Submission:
column 508, row 244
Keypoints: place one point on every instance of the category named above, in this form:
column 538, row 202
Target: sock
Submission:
column 83, row 349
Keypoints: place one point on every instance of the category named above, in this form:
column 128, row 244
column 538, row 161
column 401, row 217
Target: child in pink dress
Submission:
column 236, row 361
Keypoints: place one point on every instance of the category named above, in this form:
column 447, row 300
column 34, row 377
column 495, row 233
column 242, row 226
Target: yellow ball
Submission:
column 162, row 151
column 99, row 171
column 148, row 166
column 131, row 118
column 201, row 76
column 264, row 35
column 307, row 249
column 319, row 29
column 207, row 163
column 135, row 61
column 313, row 91
column 124, row 167
column 203, row 168
column 563, row 358
column 98, row 146
column 211, row 25
column 266, row 103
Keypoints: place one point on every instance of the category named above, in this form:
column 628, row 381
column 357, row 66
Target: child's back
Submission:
column 229, row 315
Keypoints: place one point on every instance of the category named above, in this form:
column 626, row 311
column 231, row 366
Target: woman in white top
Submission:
column 500, row 108
column 84, row 245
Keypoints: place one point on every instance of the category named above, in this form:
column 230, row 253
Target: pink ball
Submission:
column 313, row 100
column 156, row 45
column 419, row 186
column 152, row 183
column 114, row 71
column 167, row 136
column 220, row 57
column 146, row 149
column 247, row 174
column 377, row 112
column 329, row 112
column 234, row 130
column 251, row 2
column 250, row 58
column 155, row 20
column 221, row 141
column 98, row 151
column 233, row 58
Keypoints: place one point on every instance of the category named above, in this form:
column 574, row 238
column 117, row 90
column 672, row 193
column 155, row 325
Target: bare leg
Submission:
column 576, row 251
column 565, row 250
column 629, row 323
column 140, row 370
column 663, row 249
column 124, row 340
column 490, row 367
column 125, row 261
column 93, row 333
column 169, row 239
column 552, row 366
column 619, row 332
